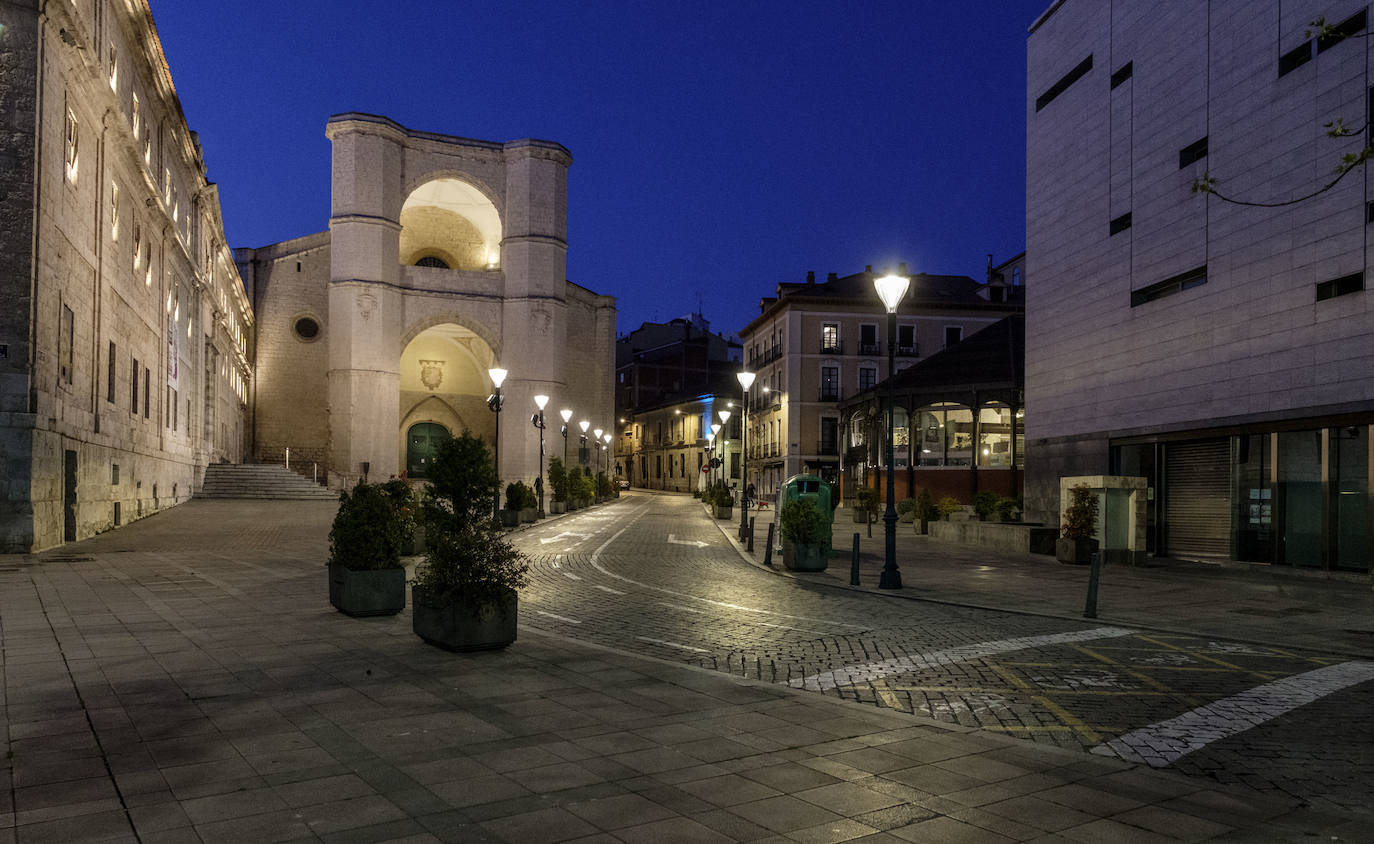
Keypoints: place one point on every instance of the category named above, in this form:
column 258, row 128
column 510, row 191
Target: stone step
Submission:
column 228, row 480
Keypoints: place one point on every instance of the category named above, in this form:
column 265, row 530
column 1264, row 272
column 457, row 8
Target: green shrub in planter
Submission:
column 925, row 507
column 462, row 485
column 985, row 503
column 365, row 572
column 948, row 506
column 558, row 479
column 1076, row 542
column 1006, row 507
column 803, row 528
column 906, row 510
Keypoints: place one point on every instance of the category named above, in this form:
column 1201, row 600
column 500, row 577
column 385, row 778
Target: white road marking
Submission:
column 565, row 534
column 1168, row 741
column 569, row 575
column 681, row 607
column 696, row 542
column 596, row 564
column 673, row 645
column 558, row 617
column 607, row 589
column 851, row 674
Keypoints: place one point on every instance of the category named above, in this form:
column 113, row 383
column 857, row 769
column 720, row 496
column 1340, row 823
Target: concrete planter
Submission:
column 509, row 518
column 799, row 557
column 528, row 515
column 464, row 626
column 557, row 508
column 367, row 592
column 722, row 512
column 1074, row 551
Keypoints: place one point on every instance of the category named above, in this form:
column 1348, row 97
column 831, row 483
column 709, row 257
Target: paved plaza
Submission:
column 184, row 679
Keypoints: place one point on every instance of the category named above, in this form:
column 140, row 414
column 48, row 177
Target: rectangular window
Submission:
column 1063, row 84
column 1369, row 213
column 114, row 211
column 1194, row 152
column 137, row 116
column 148, row 264
column 167, row 186
column 830, row 337
column 133, row 387
column 1341, row 31
column 1352, row 283
column 110, row 380
column 1122, row 74
column 1174, row 284
column 906, row 339
column 1295, row 58
column 830, row 383
column 138, row 245
column 868, row 339
column 148, row 148
column 73, row 153
column 147, row 392
column 66, row 342
column 175, row 407
column 1120, row 224
column 868, row 376
column 953, row 334
column 114, row 69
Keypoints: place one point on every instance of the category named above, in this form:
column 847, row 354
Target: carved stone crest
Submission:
column 367, row 303
column 432, row 373
column 541, row 319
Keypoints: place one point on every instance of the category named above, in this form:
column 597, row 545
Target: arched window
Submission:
column 431, row 261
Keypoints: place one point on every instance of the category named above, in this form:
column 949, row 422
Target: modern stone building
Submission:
column 125, row 337
column 1220, row 347
column 815, row 343
column 445, row 257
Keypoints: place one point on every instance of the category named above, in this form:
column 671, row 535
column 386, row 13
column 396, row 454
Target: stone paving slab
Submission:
column 205, row 691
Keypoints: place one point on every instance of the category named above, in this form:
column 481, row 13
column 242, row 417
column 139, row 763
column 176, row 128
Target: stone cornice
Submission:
column 356, row 122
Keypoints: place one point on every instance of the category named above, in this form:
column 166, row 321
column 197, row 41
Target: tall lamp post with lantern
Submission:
column 494, row 402
column 746, row 380
column 724, row 440
column 891, row 289
column 538, row 421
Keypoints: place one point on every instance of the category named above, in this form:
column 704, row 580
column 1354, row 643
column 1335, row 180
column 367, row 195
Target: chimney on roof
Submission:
column 868, row 268
column 901, row 268
column 810, row 276
column 831, row 277
column 989, row 268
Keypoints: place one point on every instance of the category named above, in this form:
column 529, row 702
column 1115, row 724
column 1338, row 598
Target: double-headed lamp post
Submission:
column 891, row 289
column 746, row 380
column 582, row 443
column 566, row 414
column 498, row 376
column 538, row 421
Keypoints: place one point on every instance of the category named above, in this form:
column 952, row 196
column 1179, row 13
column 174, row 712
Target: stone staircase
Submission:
column 252, row 480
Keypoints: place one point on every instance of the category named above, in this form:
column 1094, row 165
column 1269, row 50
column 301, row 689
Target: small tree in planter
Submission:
column 985, row 504
column 558, row 482
column 865, row 505
column 906, row 510
column 529, row 504
column 603, row 486
column 722, row 502
column 1006, row 508
column 466, row 592
column 515, row 500
column 406, row 504
column 926, row 511
column 804, row 529
column 365, row 572
column 1076, row 543
column 586, row 490
column 948, row 506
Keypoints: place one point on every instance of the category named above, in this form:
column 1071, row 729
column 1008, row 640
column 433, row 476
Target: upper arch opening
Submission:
column 452, row 221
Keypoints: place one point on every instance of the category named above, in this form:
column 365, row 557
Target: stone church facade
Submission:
column 125, row 334
column 445, row 257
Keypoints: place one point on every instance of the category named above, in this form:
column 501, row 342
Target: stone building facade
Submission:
column 125, row 336
column 1222, row 350
column 816, row 343
column 445, row 257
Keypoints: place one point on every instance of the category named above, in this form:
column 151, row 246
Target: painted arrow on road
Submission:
column 565, row 534
column 697, row 542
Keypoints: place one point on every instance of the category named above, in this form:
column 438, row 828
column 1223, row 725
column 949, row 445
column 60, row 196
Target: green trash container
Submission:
column 816, row 490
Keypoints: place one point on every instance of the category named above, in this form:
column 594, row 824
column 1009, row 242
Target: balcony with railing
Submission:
column 870, row 349
column 765, row 357
column 912, row 351
column 829, row 393
column 832, row 347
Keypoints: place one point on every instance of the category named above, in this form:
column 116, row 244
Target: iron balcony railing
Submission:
column 909, row 351
column 870, row 349
column 835, row 347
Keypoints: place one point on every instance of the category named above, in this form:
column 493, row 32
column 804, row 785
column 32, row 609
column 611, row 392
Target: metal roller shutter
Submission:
column 1197, row 508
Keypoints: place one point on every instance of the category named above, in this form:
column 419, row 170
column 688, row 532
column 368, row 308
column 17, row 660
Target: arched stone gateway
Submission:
column 445, row 257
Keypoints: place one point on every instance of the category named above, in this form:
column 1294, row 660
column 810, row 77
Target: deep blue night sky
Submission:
column 719, row 147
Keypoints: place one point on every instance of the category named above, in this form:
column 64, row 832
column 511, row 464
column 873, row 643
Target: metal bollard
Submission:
column 1094, row 570
column 768, row 552
column 750, row 539
column 854, row 564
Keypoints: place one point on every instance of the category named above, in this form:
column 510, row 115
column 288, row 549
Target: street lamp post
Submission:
column 582, row 442
column 713, row 439
column 566, row 414
column 498, row 376
column 538, row 421
column 724, row 447
column 746, row 380
column 596, row 437
column 891, row 289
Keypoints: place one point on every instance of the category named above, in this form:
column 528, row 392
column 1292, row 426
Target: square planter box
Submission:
column 367, row 592
column 509, row 518
column 558, row 507
column 1075, row 551
column 464, row 626
column 528, row 515
column 723, row 512
column 797, row 557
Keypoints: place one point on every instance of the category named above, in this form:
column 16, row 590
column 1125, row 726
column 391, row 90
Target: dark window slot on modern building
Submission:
column 1063, row 84
column 1169, row 286
column 1352, row 283
column 1122, row 74
column 1120, row 224
column 1193, row 153
column 1295, row 58
column 1342, row 31
column 1369, row 213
